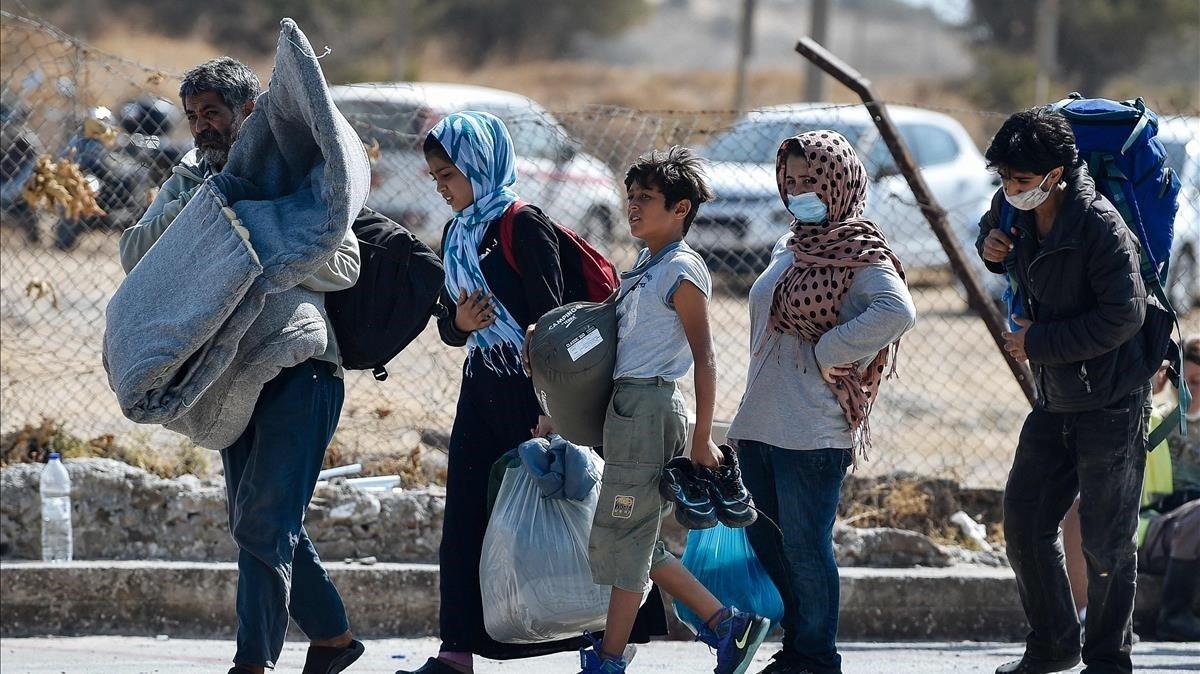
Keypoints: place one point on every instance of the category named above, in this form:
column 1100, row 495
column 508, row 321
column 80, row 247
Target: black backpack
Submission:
column 396, row 293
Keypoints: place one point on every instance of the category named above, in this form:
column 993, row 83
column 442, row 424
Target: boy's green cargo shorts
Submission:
column 645, row 427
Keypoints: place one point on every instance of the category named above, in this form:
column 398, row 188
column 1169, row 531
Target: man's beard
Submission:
column 213, row 147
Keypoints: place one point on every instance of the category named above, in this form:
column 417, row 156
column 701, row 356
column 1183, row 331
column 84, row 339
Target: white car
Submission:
column 1181, row 138
column 578, row 190
column 736, row 231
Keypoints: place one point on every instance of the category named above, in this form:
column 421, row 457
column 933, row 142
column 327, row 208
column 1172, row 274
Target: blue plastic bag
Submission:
column 723, row 561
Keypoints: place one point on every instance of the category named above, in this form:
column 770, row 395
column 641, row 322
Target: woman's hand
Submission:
column 545, row 426
column 474, row 312
column 834, row 371
column 525, row 351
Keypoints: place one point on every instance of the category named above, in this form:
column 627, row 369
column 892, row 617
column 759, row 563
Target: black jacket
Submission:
column 1083, row 291
column 528, row 295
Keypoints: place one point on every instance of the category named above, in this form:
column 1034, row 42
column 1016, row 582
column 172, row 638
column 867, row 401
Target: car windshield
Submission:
column 394, row 125
column 757, row 141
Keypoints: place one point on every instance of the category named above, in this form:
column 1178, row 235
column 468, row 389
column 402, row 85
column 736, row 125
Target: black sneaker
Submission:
column 735, row 507
column 431, row 666
column 1027, row 665
column 681, row 484
column 331, row 660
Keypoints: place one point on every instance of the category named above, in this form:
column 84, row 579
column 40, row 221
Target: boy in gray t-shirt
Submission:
column 663, row 329
column 651, row 341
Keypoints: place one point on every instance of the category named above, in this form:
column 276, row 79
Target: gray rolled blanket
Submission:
column 213, row 311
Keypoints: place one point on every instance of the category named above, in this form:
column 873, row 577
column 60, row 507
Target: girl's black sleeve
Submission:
column 535, row 245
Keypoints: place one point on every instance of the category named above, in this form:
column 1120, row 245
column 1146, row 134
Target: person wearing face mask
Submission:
column 826, row 319
column 1083, row 305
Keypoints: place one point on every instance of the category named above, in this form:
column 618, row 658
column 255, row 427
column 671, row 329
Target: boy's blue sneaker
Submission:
column 591, row 662
column 735, row 507
column 735, row 639
column 682, row 485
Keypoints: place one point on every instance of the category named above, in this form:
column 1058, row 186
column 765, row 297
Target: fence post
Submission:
column 934, row 213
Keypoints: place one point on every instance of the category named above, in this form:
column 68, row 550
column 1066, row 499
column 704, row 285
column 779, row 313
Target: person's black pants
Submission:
column 1101, row 456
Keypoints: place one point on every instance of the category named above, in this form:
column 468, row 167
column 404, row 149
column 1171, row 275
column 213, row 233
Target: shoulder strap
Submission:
column 650, row 262
column 507, row 221
column 1143, row 119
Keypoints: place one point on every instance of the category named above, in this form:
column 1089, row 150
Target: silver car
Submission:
column 737, row 231
column 576, row 189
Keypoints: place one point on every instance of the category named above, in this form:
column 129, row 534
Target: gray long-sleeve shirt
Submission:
column 340, row 273
column 787, row 404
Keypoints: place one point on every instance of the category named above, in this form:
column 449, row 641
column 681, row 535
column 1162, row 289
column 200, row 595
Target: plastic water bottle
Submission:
column 56, row 511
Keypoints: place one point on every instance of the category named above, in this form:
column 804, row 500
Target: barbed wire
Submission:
column 933, row 420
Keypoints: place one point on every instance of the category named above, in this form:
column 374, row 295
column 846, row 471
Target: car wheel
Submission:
column 1183, row 286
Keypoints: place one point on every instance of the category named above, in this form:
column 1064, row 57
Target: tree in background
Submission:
column 482, row 29
column 1098, row 41
column 475, row 30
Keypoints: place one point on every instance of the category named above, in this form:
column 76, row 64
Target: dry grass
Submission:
column 921, row 504
column 33, row 443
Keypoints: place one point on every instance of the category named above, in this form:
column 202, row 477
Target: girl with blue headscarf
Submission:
column 471, row 160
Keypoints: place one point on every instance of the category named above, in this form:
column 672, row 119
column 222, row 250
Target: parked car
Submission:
column 578, row 190
column 1181, row 138
column 736, row 231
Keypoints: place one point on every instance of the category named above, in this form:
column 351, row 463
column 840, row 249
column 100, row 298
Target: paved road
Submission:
column 133, row 655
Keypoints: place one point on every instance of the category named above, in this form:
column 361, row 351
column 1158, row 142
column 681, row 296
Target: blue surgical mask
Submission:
column 807, row 207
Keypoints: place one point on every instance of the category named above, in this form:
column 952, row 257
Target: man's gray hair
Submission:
column 233, row 81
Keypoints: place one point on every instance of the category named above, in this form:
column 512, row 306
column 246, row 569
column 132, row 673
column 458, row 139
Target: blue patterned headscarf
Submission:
column 479, row 145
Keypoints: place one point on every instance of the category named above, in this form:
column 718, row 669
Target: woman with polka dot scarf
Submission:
column 826, row 320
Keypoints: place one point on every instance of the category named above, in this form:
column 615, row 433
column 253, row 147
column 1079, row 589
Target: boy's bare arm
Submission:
column 692, row 307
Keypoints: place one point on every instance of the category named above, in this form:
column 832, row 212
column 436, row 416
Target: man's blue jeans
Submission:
column 270, row 474
column 800, row 490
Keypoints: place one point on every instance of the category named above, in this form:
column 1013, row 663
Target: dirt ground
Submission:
column 954, row 411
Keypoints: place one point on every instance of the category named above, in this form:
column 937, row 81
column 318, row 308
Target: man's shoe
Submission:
column 680, row 484
column 1176, row 621
column 1028, row 665
column 781, row 663
column 735, row 507
column 431, row 666
column 591, row 662
column 735, row 639
column 331, row 660
column 237, row 669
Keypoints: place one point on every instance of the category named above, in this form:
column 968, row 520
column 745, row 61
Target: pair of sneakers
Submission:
column 736, row 639
column 704, row 496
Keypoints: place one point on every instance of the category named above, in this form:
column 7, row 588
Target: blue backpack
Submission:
column 1128, row 162
column 1118, row 142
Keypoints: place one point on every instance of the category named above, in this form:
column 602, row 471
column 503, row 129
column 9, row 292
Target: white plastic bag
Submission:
column 533, row 573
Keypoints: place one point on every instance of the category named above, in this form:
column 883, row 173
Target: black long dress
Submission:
column 496, row 412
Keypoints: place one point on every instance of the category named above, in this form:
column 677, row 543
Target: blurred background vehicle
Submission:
column 575, row 188
column 124, row 161
column 736, row 232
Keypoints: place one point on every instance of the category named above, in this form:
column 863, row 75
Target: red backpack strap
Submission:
column 506, row 233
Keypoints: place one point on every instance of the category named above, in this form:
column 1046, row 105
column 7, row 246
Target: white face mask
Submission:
column 807, row 207
column 1030, row 198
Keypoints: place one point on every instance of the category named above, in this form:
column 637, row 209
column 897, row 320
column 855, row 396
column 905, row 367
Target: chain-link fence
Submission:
column 954, row 411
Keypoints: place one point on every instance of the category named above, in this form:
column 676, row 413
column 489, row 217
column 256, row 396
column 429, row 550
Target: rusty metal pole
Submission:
column 934, row 213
